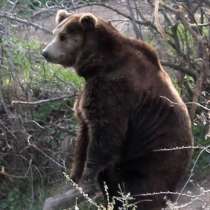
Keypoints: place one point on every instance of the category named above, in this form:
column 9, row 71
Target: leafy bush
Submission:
column 37, row 141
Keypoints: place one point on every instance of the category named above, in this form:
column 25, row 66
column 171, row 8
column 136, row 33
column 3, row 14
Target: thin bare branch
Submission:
column 133, row 20
column 23, row 21
column 179, row 68
column 34, row 103
column 157, row 19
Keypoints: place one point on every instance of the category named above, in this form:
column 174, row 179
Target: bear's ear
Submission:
column 61, row 15
column 110, row 23
column 88, row 21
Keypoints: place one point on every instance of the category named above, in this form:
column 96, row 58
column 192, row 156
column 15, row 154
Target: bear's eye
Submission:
column 62, row 37
column 72, row 28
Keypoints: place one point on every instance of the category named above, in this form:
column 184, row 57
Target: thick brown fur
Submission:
column 127, row 110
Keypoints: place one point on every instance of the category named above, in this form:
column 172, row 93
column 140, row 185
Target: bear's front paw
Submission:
column 89, row 185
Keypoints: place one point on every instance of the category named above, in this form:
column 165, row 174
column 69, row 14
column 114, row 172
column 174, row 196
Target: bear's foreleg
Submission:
column 80, row 153
column 104, row 151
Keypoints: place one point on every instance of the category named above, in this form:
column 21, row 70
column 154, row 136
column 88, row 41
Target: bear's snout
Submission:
column 45, row 54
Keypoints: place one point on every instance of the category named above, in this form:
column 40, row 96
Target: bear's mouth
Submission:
column 61, row 59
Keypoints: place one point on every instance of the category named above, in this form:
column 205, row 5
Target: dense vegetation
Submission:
column 34, row 138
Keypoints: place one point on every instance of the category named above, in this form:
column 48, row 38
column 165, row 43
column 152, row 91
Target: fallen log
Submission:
column 69, row 198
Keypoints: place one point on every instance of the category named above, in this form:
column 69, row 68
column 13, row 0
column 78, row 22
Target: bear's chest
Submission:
column 79, row 109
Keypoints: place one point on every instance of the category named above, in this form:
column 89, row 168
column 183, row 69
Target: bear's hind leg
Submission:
column 145, row 193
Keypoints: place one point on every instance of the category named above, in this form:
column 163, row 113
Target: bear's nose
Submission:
column 45, row 54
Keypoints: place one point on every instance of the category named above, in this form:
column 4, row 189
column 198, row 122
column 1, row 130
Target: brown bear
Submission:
column 127, row 112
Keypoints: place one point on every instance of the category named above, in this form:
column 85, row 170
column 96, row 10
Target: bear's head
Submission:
column 81, row 41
